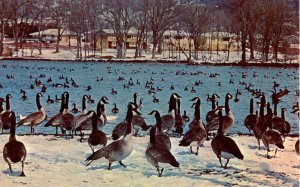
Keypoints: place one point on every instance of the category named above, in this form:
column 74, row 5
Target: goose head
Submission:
column 228, row 96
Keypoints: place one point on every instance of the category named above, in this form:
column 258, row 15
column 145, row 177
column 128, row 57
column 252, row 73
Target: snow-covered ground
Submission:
column 204, row 56
column 55, row 161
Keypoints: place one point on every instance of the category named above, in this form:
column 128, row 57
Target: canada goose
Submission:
column 5, row 115
column 260, row 127
column 179, row 125
column 14, row 151
column 96, row 138
column 228, row 119
column 115, row 110
column 168, row 120
column 23, row 97
column 80, row 117
column 135, row 99
column 213, row 112
column 271, row 137
column 121, row 128
column 117, row 150
column 90, row 100
column 74, row 109
column 185, row 117
column 251, row 119
column 193, row 90
column 158, row 156
column 35, row 118
column 113, row 92
column 161, row 138
column 281, row 124
column 57, row 99
column 225, row 147
column 68, row 119
column 196, row 135
column 49, row 100
column 56, row 119
column 86, row 121
column 155, row 100
column 141, row 103
column 297, row 147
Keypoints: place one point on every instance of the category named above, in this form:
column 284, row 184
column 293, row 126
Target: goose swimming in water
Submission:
column 117, row 150
column 97, row 139
column 14, row 151
column 225, row 147
column 158, row 156
column 115, row 110
column 35, row 118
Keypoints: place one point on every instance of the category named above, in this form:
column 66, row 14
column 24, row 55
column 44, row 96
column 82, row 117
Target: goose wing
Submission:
column 139, row 121
column 158, row 154
column 168, row 122
column 31, row 118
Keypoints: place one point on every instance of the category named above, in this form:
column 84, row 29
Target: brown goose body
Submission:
column 251, row 119
column 97, row 138
column 161, row 137
column 261, row 126
column 34, row 118
column 225, row 147
column 5, row 115
column 197, row 133
column 158, row 156
column 14, row 151
column 117, row 150
column 227, row 119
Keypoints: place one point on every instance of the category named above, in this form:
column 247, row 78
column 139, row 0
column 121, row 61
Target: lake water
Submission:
column 179, row 75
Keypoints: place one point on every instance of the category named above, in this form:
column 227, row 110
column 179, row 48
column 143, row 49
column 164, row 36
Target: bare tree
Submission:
column 119, row 15
column 3, row 22
column 161, row 14
column 58, row 11
column 195, row 25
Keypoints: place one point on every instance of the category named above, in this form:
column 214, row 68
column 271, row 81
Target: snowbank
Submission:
column 55, row 161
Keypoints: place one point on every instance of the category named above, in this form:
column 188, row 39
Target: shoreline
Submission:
column 160, row 61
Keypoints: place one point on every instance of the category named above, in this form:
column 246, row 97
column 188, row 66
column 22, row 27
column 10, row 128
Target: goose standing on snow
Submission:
column 14, row 151
column 225, row 147
column 86, row 121
column 56, row 119
column 179, row 125
column 121, row 128
column 79, row 118
column 260, row 127
column 161, row 138
column 197, row 134
column 252, row 118
column 5, row 115
column 227, row 119
column 158, row 156
column 272, row 137
column 97, row 139
column 297, row 147
column 117, row 150
column 35, row 118
column 168, row 121
column 67, row 118
column 282, row 125
column 213, row 112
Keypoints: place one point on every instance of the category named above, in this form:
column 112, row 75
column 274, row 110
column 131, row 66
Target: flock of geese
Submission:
column 269, row 128
column 265, row 124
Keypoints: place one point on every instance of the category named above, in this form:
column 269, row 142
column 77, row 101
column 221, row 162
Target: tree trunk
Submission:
column 58, row 38
column 2, row 37
column 154, row 45
column 251, row 42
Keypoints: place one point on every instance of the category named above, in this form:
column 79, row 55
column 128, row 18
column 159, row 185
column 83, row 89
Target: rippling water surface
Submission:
column 179, row 75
